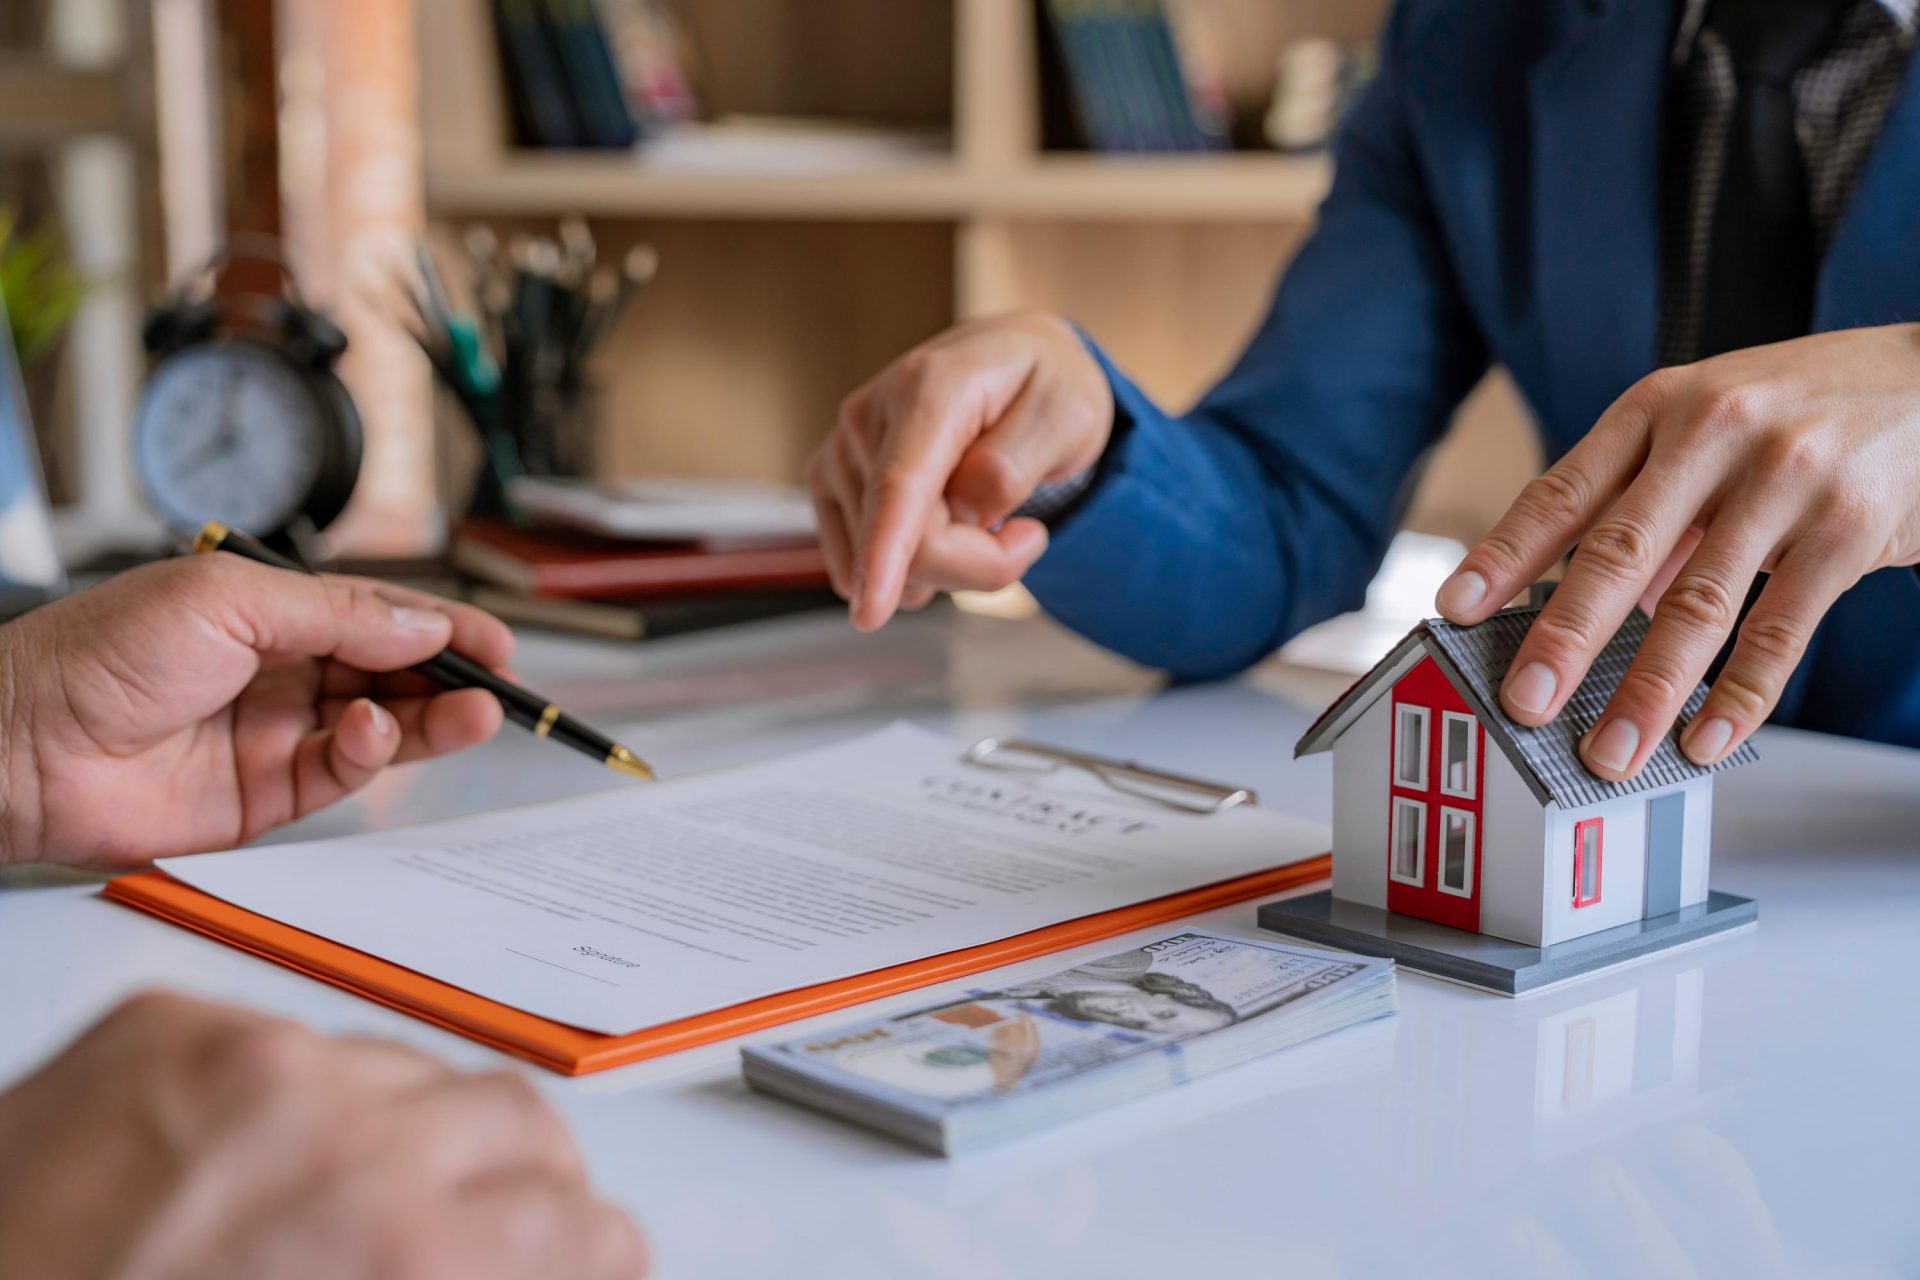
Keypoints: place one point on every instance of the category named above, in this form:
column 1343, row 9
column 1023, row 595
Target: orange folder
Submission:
column 575, row 1052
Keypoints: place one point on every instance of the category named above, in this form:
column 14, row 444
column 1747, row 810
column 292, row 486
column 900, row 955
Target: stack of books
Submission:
column 644, row 559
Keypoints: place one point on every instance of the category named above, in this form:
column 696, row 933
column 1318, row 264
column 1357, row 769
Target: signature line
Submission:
column 593, row 976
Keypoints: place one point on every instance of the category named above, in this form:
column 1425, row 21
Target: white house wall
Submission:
column 1512, row 828
column 1623, row 860
column 1623, row 868
column 1360, row 807
column 1697, row 847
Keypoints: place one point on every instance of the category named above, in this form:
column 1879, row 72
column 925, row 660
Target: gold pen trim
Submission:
column 621, row 760
column 211, row 535
column 547, row 717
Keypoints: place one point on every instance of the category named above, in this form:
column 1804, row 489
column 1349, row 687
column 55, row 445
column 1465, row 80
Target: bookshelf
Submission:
column 1236, row 187
column 80, row 140
column 782, row 289
column 43, row 102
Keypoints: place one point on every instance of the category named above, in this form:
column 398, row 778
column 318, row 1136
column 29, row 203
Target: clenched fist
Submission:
column 179, row 1140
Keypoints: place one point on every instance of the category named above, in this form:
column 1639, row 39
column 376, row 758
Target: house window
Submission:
column 1457, row 744
column 1456, row 852
column 1410, row 747
column 1409, row 841
column 1586, row 862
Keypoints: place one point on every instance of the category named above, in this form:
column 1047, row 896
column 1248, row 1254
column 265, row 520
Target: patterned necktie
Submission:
column 1762, row 260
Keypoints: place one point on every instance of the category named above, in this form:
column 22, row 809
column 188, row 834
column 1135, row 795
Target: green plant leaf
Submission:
column 41, row 289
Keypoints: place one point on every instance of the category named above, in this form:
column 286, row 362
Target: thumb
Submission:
column 1029, row 446
column 363, row 624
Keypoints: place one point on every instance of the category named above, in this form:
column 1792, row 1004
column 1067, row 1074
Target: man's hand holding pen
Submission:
column 193, row 704
column 453, row 669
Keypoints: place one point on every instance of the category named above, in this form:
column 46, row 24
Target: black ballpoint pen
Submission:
column 522, row 706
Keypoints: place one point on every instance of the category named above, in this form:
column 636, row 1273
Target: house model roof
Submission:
column 1548, row 759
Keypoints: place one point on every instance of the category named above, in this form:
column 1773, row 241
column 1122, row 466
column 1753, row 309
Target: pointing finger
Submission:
column 908, row 476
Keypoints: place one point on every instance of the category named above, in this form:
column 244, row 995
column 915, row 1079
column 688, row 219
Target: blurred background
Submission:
column 608, row 239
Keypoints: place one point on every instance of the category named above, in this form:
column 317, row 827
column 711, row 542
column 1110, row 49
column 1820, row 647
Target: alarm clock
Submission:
column 243, row 418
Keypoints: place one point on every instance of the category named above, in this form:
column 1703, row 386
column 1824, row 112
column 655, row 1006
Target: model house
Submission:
column 1447, row 811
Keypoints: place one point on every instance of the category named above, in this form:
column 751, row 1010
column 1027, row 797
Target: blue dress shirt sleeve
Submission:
column 1211, row 538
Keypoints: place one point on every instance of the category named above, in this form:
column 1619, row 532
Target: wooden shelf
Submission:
column 1239, row 187
column 536, row 184
column 913, row 192
column 42, row 102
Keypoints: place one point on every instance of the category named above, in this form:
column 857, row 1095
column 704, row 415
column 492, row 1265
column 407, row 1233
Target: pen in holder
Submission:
column 555, row 427
column 515, row 353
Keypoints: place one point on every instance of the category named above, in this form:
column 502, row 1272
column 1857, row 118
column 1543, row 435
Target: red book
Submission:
column 545, row 563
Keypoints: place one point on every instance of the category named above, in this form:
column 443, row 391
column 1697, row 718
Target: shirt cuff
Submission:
column 1053, row 503
column 1108, row 511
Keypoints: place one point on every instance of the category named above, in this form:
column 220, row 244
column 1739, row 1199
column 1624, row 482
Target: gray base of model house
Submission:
column 1495, row 964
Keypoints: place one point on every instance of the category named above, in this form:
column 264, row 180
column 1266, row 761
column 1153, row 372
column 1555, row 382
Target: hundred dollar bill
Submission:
column 1006, row 1059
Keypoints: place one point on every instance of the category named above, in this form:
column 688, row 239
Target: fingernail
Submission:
column 1531, row 688
column 962, row 513
column 407, row 618
column 858, row 595
column 382, row 719
column 1461, row 592
column 1706, row 740
column 1613, row 747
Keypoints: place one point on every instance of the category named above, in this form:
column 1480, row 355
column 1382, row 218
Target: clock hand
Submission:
column 229, row 428
column 214, row 450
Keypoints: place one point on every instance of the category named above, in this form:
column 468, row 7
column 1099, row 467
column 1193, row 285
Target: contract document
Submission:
column 630, row 908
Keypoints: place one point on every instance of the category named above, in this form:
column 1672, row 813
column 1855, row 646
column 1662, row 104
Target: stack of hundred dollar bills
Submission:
column 997, row 1063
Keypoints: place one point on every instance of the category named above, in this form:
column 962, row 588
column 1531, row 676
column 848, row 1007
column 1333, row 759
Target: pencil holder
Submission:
column 556, row 429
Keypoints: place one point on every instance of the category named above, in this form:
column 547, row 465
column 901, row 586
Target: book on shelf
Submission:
column 543, row 109
column 1129, row 75
column 654, row 59
column 586, row 56
column 592, row 73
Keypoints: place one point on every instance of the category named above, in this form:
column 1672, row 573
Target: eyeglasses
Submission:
column 1172, row 790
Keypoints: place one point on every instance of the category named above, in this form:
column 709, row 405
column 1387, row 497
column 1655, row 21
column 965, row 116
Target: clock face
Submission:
column 229, row 432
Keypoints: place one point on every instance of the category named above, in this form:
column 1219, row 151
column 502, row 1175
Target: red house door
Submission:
column 1435, row 777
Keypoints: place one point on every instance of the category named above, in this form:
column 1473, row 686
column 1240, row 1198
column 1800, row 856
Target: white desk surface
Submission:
column 1747, row 1107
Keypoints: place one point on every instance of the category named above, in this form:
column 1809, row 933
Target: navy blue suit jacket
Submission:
column 1496, row 200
